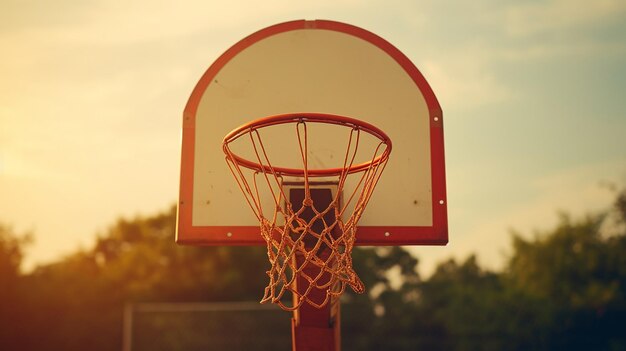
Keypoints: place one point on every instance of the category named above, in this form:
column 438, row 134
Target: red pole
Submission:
column 314, row 329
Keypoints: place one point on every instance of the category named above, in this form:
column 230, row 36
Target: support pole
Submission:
column 314, row 329
column 127, row 331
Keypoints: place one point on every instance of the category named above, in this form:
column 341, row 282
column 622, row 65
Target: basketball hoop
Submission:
column 308, row 254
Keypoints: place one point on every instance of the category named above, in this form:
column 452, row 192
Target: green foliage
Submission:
column 469, row 308
column 11, row 253
column 135, row 260
column 563, row 289
column 574, row 252
column 375, row 319
column 580, row 274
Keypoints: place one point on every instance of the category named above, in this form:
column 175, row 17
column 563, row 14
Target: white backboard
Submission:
column 322, row 67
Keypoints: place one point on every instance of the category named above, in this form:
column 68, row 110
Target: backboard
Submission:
column 316, row 67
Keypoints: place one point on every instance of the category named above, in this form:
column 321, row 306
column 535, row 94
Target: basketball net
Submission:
column 304, row 258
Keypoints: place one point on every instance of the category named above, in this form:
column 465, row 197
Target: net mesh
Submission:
column 309, row 244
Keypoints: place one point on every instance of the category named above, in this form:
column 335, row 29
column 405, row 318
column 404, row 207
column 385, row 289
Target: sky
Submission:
column 92, row 94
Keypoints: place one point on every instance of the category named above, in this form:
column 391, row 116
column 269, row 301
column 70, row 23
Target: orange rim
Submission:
column 307, row 117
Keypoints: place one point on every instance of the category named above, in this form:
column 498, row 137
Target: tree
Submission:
column 579, row 275
column 11, row 253
column 563, row 289
column 135, row 260
column 467, row 308
column 382, row 317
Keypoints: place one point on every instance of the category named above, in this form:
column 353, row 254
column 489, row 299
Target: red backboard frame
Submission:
column 437, row 234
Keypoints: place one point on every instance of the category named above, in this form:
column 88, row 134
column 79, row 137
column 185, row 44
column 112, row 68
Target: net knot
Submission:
column 307, row 202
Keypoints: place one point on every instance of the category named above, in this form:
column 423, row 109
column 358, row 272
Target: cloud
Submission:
column 563, row 50
column 468, row 70
column 466, row 81
column 106, row 23
column 540, row 18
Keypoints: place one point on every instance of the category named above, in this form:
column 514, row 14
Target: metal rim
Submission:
column 307, row 117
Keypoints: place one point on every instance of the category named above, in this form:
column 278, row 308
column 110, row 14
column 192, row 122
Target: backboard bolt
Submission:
column 229, row 234
column 441, row 202
column 387, row 234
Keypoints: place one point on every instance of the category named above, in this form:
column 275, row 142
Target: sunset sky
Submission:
column 92, row 94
